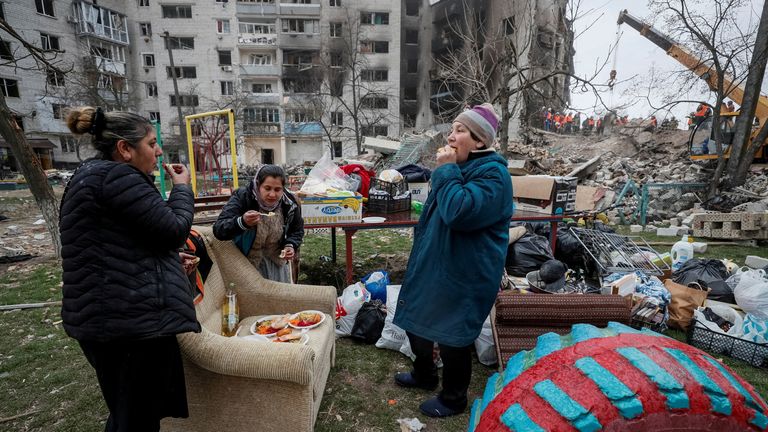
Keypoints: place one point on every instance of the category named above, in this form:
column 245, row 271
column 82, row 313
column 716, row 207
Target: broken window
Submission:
column 337, row 118
column 335, row 29
column 145, row 29
column 261, row 88
column 509, row 26
column 374, row 75
column 48, row 42
column 182, row 71
column 151, row 90
column 180, row 43
column 374, row 18
column 149, row 60
column 44, row 7
column 185, row 100
column 227, row 88
column 374, row 102
column 225, row 57
column 412, row 66
column 374, row 47
column 256, row 27
column 410, row 93
column 222, row 26
column 336, row 148
column 5, row 50
column 176, row 11
column 154, row 116
column 58, row 110
column 412, row 36
column 54, row 78
column 262, row 115
column 374, row 130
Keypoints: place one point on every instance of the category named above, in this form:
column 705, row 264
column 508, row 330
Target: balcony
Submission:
column 107, row 66
column 260, row 70
column 300, row 41
column 256, row 40
column 303, row 128
column 263, row 99
column 91, row 21
column 300, row 9
column 255, row 8
column 257, row 128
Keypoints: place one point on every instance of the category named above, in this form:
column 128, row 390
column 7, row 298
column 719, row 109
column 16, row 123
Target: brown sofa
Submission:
column 519, row 319
column 238, row 384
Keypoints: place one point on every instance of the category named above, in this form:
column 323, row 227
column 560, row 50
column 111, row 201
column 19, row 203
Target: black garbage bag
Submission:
column 568, row 249
column 540, row 228
column 527, row 254
column 369, row 322
column 709, row 273
column 415, row 173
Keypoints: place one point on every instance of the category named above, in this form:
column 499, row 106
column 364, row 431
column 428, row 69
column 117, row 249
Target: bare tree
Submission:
column 31, row 58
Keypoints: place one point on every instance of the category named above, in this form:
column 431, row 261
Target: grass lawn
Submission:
column 47, row 385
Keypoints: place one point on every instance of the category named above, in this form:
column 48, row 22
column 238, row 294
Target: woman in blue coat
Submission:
column 457, row 260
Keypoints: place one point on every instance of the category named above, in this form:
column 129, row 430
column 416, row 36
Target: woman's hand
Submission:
column 288, row 253
column 445, row 155
column 178, row 173
column 189, row 262
column 251, row 218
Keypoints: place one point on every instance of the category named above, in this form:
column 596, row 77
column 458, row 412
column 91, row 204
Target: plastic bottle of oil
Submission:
column 230, row 313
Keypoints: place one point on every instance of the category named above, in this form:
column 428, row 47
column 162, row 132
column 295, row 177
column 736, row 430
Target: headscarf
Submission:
column 263, row 204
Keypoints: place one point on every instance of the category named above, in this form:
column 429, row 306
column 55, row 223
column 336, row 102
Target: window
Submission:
column 58, row 110
column 154, row 116
column 185, row 100
column 260, row 59
column 178, row 11
column 182, row 71
column 412, row 36
column 54, row 78
column 335, row 28
column 337, row 118
column 300, row 26
column 376, row 18
column 509, row 26
column 410, row 93
column 336, row 59
column 5, row 50
column 374, row 75
column 337, row 85
column 143, row 3
column 262, row 115
column 334, row 3
column 409, row 120
column 256, row 27
column 145, row 29
column 412, row 7
column 177, row 42
column 336, row 145
column 298, row 116
column 373, row 131
column 2, row 11
column 48, row 42
column 151, row 90
column 373, row 102
column 222, row 1
column 412, row 66
column 225, row 57
column 227, row 88
column 44, row 7
column 375, row 47
column 68, row 144
column 105, row 82
column 148, row 60
column 261, row 88
column 222, row 26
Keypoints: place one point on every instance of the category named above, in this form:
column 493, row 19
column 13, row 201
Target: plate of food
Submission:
column 307, row 319
column 374, row 219
column 270, row 325
column 296, row 337
column 257, row 338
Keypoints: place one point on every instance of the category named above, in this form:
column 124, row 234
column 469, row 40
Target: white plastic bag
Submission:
column 326, row 175
column 484, row 345
column 392, row 336
column 751, row 293
column 755, row 329
column 726, row 312
column 347, row 306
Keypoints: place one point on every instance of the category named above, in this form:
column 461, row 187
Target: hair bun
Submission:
column 80, row 119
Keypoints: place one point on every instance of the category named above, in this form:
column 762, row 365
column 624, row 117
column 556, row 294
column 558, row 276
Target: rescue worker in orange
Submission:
column 701, row 114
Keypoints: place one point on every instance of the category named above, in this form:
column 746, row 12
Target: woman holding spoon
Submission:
column 265, row 222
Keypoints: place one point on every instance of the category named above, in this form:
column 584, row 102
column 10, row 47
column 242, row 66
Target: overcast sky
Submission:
column 635, row 56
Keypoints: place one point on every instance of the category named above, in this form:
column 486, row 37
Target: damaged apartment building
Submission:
column 518, row 42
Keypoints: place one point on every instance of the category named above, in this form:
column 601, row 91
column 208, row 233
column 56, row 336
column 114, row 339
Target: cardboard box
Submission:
column 519, row 167
column 326, row 210
column 544, row 194
column 419, row 191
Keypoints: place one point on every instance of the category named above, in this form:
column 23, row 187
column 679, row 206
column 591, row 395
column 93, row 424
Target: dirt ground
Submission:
column 24, row 232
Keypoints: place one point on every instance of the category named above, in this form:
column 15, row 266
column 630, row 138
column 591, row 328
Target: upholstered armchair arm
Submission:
column 239, row 357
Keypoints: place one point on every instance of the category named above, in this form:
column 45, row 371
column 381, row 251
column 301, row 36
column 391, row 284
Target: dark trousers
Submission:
column 457, row 369
column 141, row 381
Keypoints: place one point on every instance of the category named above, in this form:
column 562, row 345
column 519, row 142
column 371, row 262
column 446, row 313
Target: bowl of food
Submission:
column 269, row 325
column 307, row 319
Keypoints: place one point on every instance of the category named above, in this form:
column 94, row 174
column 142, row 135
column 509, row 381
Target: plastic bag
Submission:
column 369, row 322
column 527, row 254
column 376, row 283
column 408, row 352
column 709, row 273
column 347, row 306
column 326, row 175
column 727, row 313
column 751, row 293
column 484, row 345
column 684, row 301
column 755, row 329
column 392, row 336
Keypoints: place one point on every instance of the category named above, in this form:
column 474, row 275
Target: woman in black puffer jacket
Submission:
column 125, row 293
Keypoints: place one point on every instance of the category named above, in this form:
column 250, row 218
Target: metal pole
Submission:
column 160, row 170
column 182, row 129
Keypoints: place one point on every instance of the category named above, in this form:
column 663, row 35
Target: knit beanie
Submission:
column 482, row 121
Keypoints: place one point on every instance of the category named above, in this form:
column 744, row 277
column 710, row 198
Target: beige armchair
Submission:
column 237, row 384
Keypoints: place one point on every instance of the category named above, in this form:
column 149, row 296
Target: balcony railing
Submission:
column 303, row 128
column 312, row 9
column 250, row 39
column 261, row 70
column 300, row 40
column 257, row 8
column 110, row 66
column 257, row 128
column 263, row 98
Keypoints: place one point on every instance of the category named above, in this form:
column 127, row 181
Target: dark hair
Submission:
column 270, row 171
column 108, row 128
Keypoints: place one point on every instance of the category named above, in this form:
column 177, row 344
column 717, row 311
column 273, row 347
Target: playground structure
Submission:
column 212, row 158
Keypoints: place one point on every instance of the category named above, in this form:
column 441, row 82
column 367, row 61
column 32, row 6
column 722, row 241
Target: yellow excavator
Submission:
column 701, row 143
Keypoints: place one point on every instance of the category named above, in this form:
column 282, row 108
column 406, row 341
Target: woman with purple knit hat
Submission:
column 457, row 260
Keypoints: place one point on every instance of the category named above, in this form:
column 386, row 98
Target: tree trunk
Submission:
column 32, row 171
column 746, row 162
column 741, row 156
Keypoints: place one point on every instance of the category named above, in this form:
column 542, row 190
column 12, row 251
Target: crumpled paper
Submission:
column 410, row 425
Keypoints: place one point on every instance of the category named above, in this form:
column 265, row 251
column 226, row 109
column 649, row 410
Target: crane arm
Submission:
column 693, row 63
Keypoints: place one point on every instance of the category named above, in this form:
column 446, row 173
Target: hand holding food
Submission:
column 251, row 218
column 446, row 155
column 287, row 253
column 189, row 262
column 178, row 173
